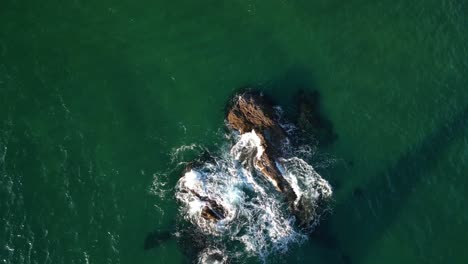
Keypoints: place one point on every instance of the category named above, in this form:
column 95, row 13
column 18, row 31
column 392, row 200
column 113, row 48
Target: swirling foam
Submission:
column 257, row 216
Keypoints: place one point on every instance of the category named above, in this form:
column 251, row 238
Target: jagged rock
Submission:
column 252, row 111
column 212, row 210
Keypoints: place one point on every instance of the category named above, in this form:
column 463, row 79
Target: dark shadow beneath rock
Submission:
column 324, row 236
column 191, row 241
column 313, row 127
column 156, row 238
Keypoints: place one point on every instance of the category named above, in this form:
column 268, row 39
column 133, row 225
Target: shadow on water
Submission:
column 287, row 86
column 156, row 238
column 301, row 101
column 374, row 207
column 313, row 127
column 282, row 89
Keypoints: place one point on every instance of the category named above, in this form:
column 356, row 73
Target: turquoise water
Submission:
column 94, row 97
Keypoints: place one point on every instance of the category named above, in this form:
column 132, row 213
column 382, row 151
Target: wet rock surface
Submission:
column 212, row 210
column 253, row 111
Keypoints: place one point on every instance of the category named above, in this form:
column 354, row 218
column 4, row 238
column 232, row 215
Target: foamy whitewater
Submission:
column 257, row 221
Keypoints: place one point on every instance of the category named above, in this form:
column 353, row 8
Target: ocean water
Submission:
column 97, row 96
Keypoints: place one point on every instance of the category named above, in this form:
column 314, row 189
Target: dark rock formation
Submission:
column 212, row 210
column 252, row 111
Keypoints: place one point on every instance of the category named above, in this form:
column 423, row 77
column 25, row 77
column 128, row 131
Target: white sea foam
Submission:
column 308, row 186
column 212, row 256
column 249, row 143
column 178, row 153
column 256, row 215
column 159, row 186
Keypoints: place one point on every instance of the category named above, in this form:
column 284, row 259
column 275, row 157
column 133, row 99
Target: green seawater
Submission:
column 96, row 95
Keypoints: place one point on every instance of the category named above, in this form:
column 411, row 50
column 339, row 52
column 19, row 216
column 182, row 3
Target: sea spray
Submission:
column 257, row 217
column 253, row 196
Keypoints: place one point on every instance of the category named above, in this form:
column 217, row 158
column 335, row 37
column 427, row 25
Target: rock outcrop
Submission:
column 212, row 210
column 241, row 195
column 252, row 111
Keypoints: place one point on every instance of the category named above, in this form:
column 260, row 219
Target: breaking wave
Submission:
column 256, row 220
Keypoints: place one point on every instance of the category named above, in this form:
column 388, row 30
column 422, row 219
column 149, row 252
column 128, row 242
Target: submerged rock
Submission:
column 205, row 157
column 313, row 127
column 157, row 238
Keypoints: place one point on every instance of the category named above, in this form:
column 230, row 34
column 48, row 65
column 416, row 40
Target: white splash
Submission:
column 212, row 256
column 257, row 216
column 177, row 153
column 249, row 143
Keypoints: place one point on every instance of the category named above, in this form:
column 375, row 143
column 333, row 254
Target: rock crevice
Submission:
column 252, row 111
